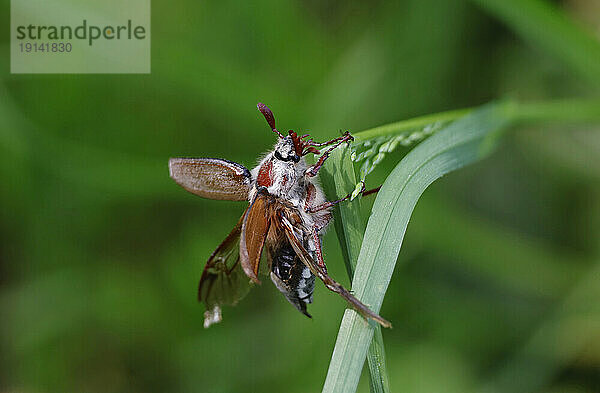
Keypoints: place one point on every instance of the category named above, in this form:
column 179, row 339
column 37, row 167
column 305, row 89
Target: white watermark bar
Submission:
column 80, row 37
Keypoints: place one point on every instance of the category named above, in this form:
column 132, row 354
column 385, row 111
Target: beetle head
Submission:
column 291, row 147
column 285, row 150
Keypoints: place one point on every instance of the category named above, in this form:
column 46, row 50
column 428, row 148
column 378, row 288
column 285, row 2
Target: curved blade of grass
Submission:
column 370, row 147
column 461, row 143
column 338, row 177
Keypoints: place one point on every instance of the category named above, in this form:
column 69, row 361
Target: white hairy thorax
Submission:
column 283, row 174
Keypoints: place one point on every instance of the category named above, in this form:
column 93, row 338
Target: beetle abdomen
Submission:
column 293, row 278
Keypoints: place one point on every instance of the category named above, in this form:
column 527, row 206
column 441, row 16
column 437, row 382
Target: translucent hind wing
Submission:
column 223, row 280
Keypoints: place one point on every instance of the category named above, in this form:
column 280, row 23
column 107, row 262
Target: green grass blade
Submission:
column 410, row 124
column 572, row 110
column 461, row 143
column 338, row 179
column 377, row 368
column 546, row 26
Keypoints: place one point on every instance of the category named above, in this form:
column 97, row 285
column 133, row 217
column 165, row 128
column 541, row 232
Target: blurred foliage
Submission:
column 101, row 252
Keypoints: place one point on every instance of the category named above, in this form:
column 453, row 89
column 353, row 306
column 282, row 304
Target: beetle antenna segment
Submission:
column 269, row 117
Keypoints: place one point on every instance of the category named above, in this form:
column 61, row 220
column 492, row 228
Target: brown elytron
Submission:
column 285, row 220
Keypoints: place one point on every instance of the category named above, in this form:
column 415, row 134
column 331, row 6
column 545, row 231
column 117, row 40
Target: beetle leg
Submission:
column 329, row 204
column 313, row 170
column 371, row 191
column 318, row 249
column 345, row 136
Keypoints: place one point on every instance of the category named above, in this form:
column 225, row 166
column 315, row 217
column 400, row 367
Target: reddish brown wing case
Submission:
column 212, row 178
column 254, row 232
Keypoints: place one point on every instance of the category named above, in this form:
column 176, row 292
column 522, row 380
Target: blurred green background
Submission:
column 100, row 252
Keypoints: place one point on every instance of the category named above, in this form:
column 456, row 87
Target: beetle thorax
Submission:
column 282, row 172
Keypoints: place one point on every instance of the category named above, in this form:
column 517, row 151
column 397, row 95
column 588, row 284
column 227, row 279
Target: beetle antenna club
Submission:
column 269, row 117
